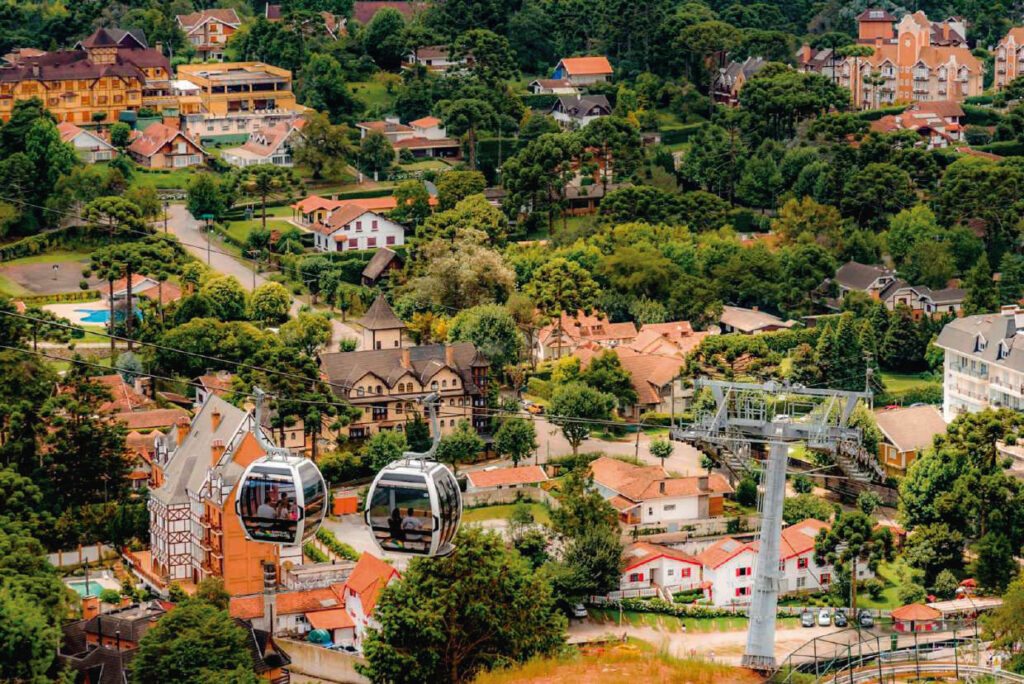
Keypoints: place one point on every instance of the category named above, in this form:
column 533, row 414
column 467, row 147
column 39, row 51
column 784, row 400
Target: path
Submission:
column 187, row 229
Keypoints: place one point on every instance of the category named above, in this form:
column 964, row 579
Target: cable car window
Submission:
column 401, row 518
column 269, row 507
column 313, row 493
column 444, row 501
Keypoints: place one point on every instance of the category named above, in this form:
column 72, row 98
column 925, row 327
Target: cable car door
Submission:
column 400, row 514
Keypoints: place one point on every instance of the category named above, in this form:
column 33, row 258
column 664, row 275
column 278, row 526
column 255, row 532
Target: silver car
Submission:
column 824, row 617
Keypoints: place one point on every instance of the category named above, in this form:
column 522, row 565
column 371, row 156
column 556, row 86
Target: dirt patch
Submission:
column 43, row 278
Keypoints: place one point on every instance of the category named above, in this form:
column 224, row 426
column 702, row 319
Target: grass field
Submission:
column 901, row 382
column 176, row 179
column 48, row 258
column 540, row 513
column 9, row 287
column 670, row 623
column 373, row 94
column 888, row 573
column 427, row 165
column 240, row 230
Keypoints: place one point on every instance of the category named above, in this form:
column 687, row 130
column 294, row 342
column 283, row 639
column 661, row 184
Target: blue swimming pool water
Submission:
column 86, row 588
column 94, row 315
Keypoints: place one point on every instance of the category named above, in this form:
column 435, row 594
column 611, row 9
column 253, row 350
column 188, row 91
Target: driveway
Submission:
column 187, row 229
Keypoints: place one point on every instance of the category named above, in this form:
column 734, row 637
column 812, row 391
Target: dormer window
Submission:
column 360, row 392
column 980, row 343
column 1003, row 351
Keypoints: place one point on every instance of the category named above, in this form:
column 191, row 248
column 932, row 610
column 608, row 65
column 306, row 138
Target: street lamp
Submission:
column 167, row 208
column 209, row 229
column 56, row 267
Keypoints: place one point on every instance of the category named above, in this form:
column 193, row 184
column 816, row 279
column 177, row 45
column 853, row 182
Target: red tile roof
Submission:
column 799, row 537
column 417, row 142
column 314, row 202
column 721, row 551
column 917, row 612
column 640, row 483
column 426, row 122
column 507, row 476
column 585, row 66
column 641, row 553
column 286, row 603
column 225, row 16
column 156, row 136
column 368, row 578
column 155, row 418
column 337, row 618
column 124, row 398
column 246, row 607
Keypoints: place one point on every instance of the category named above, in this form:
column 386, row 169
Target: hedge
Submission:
column 62, row 237
column 875, row 114
column 539, row 388
column 571, row 462
column 917, row 395
column 653, row 418
column 663, row 607
column 543, row 101
column 980, row 116
column 671, row 135
column 979, row 99
column 314, row 554
column 1006, row 148
column 60, row 297
column 341, row 549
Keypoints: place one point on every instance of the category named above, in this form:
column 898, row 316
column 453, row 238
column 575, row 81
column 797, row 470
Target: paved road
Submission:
column 187, row 229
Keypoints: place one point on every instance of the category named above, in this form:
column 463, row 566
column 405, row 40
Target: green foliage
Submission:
column 804, row 506
column 491, row 329
column 206, row 196
column 460, row 445
column 28, row 638
column 802, row 484
column 382, row 448
column 910, row 592
column 606, row 374
column 994, row 566
column 310, row 550
column 574, row 407
column 341, row 549
column 228, row 301
column 746, row 492
column 516, row 439
column 661, row 448
column 269, row 303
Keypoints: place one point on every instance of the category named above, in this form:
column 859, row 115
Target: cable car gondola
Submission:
column 281, row 497
column 414, row 505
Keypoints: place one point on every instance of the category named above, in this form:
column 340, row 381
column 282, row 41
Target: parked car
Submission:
column 535, row 409
column 840, row 620
column 807, row 619
column 824, row 617
column 865, row 619
column 579, row 611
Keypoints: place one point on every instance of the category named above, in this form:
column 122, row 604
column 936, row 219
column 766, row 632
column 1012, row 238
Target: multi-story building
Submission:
column 194, row 531
column 1009, row 57
column 165, row 147
column 883, row 284
column 351, row 227
column 110, row 72
column 385, row 384
column 382, row 328
column 209, row 30
column 238, row 97
column 983, row 365
column 917, row 61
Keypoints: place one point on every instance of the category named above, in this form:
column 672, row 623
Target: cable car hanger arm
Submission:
column 431, row 401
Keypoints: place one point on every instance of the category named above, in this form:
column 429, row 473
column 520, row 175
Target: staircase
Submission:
column 857, row 462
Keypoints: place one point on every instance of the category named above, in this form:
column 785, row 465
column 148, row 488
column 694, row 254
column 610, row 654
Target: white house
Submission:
column 350, row 227
column 90, row 147
column 573, row 111
column 646, row 495
column 728, row 571
column 436, row 58
column 362, row 590
column 656, row 570
column 267, row 145
column 556, row 86
column 583, row 70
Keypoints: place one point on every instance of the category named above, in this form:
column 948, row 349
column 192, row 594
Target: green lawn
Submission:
column 888, row 573
column 901, row 382
column 240, row 230
column 9, row 287
column 49, row 257
column 373, row 94
column 670, row 623
column 176, row 179
column 427, row 165
column 540, row 513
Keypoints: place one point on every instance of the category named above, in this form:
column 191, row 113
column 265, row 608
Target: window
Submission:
column 455, row 383
column 800, row 582
column 669, row 507
column 433, row 385
column 360, row 392
column 742, row 572
column 743, row 591
column 782, row 566
column 359, row 226
column 801, row 563
column 444, row 384
column 650, row 511
column 371, row 242
column 825, row 578
column 353, row 243
column 390, row 240
column 685, row 572
column 379, row 389
column 451, row 423
column 373, row 225
column 636, row 577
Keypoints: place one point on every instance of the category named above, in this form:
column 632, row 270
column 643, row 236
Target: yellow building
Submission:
column 238, row 97
column 110, row 72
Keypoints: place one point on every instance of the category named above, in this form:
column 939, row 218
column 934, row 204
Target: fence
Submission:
column 316, row 661
column 83, row 554
column 708, row 527
column 491, row 497
column 61, row 297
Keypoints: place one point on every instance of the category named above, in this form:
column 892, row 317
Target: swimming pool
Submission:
column 90, row 588
column 94, row 315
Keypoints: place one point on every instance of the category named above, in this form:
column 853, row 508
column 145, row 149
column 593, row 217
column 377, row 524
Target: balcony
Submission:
column 967, row 372
column 204, row 520
column 1011, row 388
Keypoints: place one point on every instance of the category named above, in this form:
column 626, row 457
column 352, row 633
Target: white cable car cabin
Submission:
column 281, row 497
column 414, row 505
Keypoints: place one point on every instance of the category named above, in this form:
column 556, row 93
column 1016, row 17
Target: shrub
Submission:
column 327, row 538
column 652, row 418
column 746, row 492
column 112, row 596
column 83, row 284
column 875, row 588
column 538, row 388
column 314, row 554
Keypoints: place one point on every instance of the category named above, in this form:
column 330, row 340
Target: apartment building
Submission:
column 194, row 531
column 208, row 31
column 237, row 98
column 110, row 72
column 917, row 60
column 983, row 365
column 384, row 384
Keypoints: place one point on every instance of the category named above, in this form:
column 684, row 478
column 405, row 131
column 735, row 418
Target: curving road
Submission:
column 183, row 226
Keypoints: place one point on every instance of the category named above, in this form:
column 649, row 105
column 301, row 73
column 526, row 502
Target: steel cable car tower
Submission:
column 778, row 416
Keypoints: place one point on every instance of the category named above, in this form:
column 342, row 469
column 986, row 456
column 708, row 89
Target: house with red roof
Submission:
column 90, row 146
column 426, row 137
column 1009, row 57
column 581, row 71
column 656, row 378
column 656, row 570
column 165, row 147
column 647, row 495
column 271, row 144
column 209, row 30
column 562, row 337
column 504, row 478
column 350, row 226
column 437, row 59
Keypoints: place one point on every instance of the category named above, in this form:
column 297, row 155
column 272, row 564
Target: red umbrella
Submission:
column 969, row 582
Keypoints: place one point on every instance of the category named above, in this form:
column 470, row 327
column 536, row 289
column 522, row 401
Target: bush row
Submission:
column 875, row 114
column 671, row 135
column 314, row 554
column 980, row 116
column 60, row 297
column 917, row 395
column 663, row 607
column 341, row 549
column 1006, row 148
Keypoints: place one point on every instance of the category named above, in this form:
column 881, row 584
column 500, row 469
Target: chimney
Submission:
column 945, row 30
column 117, row 636
column 160, row 46
column 126, row 601
column 35, row 70
column 182, row 430
column 1008, row 310
column 406, row 360
column 269, row 595
column 449, row 355
column 216, row 451
column 90, row 607
column 215, row 419
column 702, row 483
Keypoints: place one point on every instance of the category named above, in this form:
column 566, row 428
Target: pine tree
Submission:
column 826, row 352
column 901, row 348
column 849, row 356
column 1011, row 279
column 982, row 294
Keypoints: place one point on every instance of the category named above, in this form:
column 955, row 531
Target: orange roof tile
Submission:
column 640, row 483
column 640, row 553
column 582, row 66
column 246, row 607
column 507, row 476
column 721, row 551
column 426, row 122
column 915, row 612
column 314, row 202
column 337, row 618
column 799, row 537
column 154, row 418
column 293, row 602
column 368, row 578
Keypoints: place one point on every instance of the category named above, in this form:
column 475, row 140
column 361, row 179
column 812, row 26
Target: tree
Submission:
column 982, row 292
column 994, row 565
column 205, row 196
column 661, row 448
column 606, row 374
column 934, row 547
column 226, row 296
column 451, row 618
column 780, row 97
column 582, row 508
column 804, row 506
column 561, row 287
column 322, row 87
column 901, row 348
column 590, row 564
column 269, row 303
column 119, row 133
column 851, row 540
column 490, row 56
column 492, row 329
column 376, row 153
column 29, row 638
column 417, row 433
column 211, row 590
column 704, row 42
column 308, row 332
column 1005, row 623
column 324, row 148
column 266, row 181
column 194, row 641
column 383, row 38
column 868, row 501
column 575, row 406
column 412, row 202
column 382, row 448
column 910, row 228
column 1011, row 279
column 516, row 439
column 536, row 176
column 114, row 213
column 462, row 444
column 472, row 218
column 466, row 117
column 455, row 186
column 875, row 192
column 802, row 484
column 746, row 492
column 761, row 182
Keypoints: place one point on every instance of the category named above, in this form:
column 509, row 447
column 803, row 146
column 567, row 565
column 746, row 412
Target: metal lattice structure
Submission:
column 775, row 415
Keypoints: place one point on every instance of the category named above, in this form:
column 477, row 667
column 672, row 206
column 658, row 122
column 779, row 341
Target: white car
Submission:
column 824, row 617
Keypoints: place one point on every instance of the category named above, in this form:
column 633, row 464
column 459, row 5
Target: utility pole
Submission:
column 209, row 236
column 167, row 209
column 253, row 252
